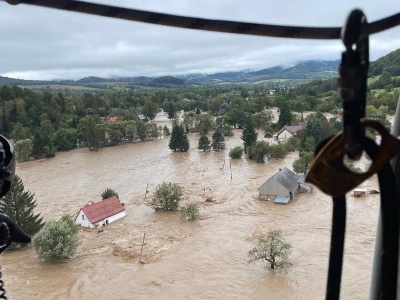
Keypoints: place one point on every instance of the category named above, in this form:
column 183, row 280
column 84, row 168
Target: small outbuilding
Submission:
column 286, row 132
column 280, row 187
column 100, row 213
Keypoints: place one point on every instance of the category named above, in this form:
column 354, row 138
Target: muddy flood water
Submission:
column 204, row 259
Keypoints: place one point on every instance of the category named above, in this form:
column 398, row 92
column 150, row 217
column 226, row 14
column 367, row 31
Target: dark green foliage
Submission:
column 285, row 115
column 57, row 240
column 171, row 110
column 167, row 197
column 249, row 135
column 218, row 140
column 179, row 140
column 166, row 130
column 23, row 149
column 190, row 212
column 204, row 143
column 109, row 193
column 65, row 139
column 150, row 109
column 19, row 206
column 302, row 164
column 258, row 151
column 273, row 249
column 236, row 152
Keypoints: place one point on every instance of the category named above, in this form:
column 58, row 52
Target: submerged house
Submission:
column 280, row 187
column 100, row 213
column 286, row 132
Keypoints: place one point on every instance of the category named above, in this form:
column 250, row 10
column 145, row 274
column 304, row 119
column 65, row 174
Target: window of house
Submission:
column 83, row 217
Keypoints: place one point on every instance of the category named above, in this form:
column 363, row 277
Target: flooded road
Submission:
column 205, row 259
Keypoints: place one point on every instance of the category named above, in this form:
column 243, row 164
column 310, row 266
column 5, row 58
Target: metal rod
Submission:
column 141, row 251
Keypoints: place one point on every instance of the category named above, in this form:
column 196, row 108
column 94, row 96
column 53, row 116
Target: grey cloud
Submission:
column 45, row 44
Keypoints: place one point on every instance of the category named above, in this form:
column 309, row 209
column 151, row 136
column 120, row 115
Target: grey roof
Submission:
column 288, row 179
column 302, row 180
column 293, row 128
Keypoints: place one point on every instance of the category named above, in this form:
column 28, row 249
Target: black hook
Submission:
column 353, row 73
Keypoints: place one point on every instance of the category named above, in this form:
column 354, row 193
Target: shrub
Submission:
column 109, row 193
column 57, row 240
column 236, row 152
column 167, row 196
column 190, row 212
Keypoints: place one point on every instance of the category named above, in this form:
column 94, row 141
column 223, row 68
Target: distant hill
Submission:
column 171, row 80
column 389, row 63
column 14, row 81
column 92, row 79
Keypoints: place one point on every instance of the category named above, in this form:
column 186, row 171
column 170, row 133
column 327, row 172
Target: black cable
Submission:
column 208, row 24
column 337, row 246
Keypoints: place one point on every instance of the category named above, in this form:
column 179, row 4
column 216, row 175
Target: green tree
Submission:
column 65, row 139
column 23, row 149
column 285, row 115
column 171, row 110
column 19, row 206
column 43, row 141
column 108, row 193
column 204, row 123
column 179, row 140
column 236, row 152
column 204, row 143
column 167, row 197
column 218, row 140
column 249, row 135
column 258, row 151
column 20, row 133
column 90, row 133
column 166, row 130
column 273, row 249
column 190, row 212
column 303, row 163
column 57, row 240
column 150, row 109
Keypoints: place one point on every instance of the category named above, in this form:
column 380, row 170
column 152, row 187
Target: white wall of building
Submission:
column 83, row 221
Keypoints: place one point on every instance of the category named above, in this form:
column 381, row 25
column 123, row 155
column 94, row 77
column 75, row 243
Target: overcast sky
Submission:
column 40, row 43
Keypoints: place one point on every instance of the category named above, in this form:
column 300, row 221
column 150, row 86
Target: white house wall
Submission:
column 285, row 135
column 84, row 222
column 110, row 219
column 272, row 188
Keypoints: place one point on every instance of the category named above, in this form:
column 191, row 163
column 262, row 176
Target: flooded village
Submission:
column 204, row 259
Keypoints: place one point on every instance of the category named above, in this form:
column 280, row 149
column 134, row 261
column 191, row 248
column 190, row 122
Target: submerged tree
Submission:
column 204, row 143
column 167, row 196
column 249, row 135
column 57, row 240
column 179, row 140
column 273, row 249
column 218, row 140
column 109, row 193
column 18, row 205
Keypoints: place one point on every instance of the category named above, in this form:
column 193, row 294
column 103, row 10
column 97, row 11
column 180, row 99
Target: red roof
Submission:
column 103, row 209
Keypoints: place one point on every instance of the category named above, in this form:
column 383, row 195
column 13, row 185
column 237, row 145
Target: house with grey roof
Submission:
column 286, row 132
column 281, row 187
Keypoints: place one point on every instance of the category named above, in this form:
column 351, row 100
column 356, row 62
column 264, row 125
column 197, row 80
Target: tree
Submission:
column 204, row 143
column 150, row 109
column 273, row 249
column 167, row 196
column 57, row 240
column 19, row 206
column 171, row 110
column 236, row 152
column 302, row 164
column 285, row 115
column 90, row 132
column 218, row 141
column 249, row 135
column 109, row 193
column 23, row 149
column 65, row 139
column 179, row 140
column 166, row 130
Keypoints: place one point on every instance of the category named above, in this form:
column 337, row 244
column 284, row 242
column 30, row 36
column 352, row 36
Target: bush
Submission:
column 236, row 152
column 167, row 196
column 57, row 240
column 190, row 212
column 109, row 193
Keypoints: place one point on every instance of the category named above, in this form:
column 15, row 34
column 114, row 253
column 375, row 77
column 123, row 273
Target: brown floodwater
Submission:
column 204, row 259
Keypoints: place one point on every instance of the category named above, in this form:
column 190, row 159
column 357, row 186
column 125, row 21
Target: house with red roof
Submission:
column 100, row 213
